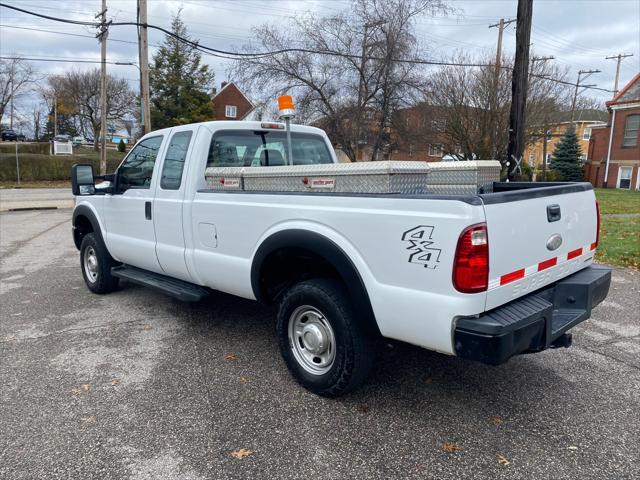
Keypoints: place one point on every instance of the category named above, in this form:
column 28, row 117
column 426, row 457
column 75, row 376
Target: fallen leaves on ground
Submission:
column 230, row 357
column 241, row 453
column 90, row 419
column 245, row 380
column 75, row 392
column 86, row 387
column 451, row 447
column 502, row 460
column 115, row 382
column 495, row 420
column 147, row 327
column 363, row 408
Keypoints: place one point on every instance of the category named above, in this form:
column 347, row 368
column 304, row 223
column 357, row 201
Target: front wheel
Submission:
column 324, row 346
column 96, row 265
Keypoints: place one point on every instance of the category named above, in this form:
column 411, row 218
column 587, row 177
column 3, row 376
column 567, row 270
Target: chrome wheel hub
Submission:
column 90, row 263
column 312, row 340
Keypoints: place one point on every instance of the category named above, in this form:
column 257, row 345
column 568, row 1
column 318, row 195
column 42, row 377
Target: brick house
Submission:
column 583, row 123
column 417, row 133
column 229, row 103
column 613, row 158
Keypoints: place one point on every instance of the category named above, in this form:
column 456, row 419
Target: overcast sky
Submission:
column 579, row 34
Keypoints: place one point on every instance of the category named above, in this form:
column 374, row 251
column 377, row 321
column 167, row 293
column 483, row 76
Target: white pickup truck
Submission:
column 482, row 276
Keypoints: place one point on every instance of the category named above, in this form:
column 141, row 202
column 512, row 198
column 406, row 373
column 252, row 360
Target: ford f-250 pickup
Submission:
column 483, row 276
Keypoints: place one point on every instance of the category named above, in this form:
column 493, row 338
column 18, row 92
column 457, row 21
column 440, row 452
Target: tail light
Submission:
column 471, row 264
column 595, row 244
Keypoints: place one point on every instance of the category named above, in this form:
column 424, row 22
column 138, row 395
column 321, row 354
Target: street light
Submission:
column 133, row 64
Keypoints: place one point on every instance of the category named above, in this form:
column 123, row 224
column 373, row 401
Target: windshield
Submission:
column 267, row 148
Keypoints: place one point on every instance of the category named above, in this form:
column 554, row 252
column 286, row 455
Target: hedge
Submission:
column 42, row 148
column 34, row 167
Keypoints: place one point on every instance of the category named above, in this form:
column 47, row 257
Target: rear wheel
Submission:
column 96, row 264
column 320, row 339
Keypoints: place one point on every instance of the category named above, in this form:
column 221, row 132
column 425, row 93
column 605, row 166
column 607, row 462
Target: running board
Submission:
column 185, row 291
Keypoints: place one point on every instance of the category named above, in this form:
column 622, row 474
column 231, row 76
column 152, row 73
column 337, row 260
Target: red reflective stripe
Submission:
column 512, row 277
column 593, row 246
column 552, row 262
column 574, row 253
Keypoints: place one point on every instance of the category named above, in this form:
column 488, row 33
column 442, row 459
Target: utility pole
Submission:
column 619, row 58
column 539, row 59
column 12, row 93
column 102, row 37
column 502, row 24
column 55, row 116
column 519, row 84
column 143, row 52
column 587, row 74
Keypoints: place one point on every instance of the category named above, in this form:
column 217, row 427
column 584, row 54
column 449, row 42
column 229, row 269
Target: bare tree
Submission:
column 356, row 80
column 16, row 77
column 81, row 92
column 476, row 113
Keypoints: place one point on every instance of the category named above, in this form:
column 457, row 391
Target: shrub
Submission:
column 42, row 148
column 122, row 147
column 35, row 167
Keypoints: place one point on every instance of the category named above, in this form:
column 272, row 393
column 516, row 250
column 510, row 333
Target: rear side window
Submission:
column 174, row 160
column 266, row 148
column 137, row 169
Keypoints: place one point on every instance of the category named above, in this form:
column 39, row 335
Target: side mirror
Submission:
column 82, row 182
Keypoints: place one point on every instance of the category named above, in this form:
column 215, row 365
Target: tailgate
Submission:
column 537, row 240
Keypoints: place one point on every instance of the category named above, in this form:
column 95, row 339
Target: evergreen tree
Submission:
column 566, row 157
column 179, row 82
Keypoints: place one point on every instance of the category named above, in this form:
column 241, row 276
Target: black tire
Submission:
column 101, row 281
column 353, row 357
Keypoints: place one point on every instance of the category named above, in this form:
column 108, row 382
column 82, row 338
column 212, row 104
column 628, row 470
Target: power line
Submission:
column 61, row 60
column 230, row 55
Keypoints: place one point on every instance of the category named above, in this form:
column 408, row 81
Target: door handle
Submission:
column 147, row 210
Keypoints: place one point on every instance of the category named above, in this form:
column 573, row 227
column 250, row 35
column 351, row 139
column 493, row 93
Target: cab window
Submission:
column 137, row 169
column 174, row 161
column 266, row 148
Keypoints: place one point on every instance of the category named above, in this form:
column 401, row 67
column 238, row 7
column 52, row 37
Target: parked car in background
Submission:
column 8, row 135
column 22, row 137
column 80, row 140
column 62, row 138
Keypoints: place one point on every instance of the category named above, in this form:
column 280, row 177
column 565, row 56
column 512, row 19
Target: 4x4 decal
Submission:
column 420, row 242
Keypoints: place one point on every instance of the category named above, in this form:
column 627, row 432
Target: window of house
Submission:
column 586, row 134
column 435, row 149
column 230, row 111
column 174, row 161
column 631, row 126
column 624, row 177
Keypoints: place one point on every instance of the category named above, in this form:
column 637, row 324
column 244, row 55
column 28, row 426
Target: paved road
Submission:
column 137, row 385
column 35, row 197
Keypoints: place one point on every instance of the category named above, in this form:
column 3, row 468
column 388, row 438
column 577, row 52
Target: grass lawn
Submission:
column 614, row 200
column 619, row 236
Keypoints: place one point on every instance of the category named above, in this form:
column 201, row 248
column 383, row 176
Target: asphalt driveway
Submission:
column 137, row 385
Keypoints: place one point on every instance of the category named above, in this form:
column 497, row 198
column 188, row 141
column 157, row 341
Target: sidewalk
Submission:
column 35, row 198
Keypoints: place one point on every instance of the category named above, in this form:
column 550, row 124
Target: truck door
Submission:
column 169, row 202
column 128, row 211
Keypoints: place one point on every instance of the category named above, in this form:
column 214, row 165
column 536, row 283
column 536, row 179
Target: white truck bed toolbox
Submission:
column 224, row 178
column 363, row 177
column 407, row 177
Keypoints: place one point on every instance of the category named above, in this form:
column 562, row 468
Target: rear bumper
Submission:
column 534, row 322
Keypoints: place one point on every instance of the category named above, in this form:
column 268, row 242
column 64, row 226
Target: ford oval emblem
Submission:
column 554, row 241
